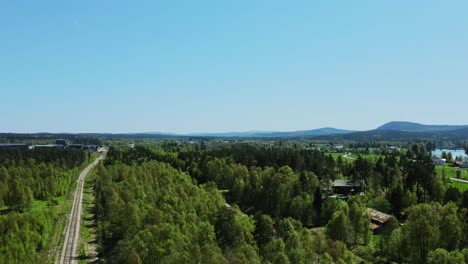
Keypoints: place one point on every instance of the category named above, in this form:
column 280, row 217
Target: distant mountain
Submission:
column 460, row 134
column 393, row 131
column 306, row 133
column 379, row 135
column 415, row 127
column 228, row 134
column 274, row 134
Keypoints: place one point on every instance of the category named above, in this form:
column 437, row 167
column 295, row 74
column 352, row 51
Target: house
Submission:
column 339, row 148
column 439, row 162
column 378, row 220
column 460, row 164
column 345, row 187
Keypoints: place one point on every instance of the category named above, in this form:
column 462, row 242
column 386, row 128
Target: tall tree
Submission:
column 339, row 226
column 422, row 230
column 359, row 219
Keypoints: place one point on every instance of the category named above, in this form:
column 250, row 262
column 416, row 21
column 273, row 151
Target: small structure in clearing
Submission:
column 345, row 187
column 378, row 220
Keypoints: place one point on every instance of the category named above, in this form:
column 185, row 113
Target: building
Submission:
column 439, row 162
column 346, row 187
column 47, row 146
column 60, row 142
column 378, row 220
column 464, row 165
column 339, row 148
column 14, row 146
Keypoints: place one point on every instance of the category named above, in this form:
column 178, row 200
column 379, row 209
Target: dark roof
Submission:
column 13, row 145
column 343, row 183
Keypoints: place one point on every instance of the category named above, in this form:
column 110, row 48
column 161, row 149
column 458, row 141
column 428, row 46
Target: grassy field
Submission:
column 459, row 185
column 451, row 172
column 351, row 157
column 334, row 155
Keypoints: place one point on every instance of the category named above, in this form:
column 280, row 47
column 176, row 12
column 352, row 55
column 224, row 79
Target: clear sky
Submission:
column 213, row 66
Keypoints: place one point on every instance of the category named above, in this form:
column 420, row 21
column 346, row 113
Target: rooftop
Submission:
column 378, row 216
column 343, row 183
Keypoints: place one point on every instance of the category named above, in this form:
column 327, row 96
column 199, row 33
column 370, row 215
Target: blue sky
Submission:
column 213, row 66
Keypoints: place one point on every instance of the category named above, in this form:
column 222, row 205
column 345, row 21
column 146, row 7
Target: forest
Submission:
column 33, row 186
column 238, row 202
column 251, row 203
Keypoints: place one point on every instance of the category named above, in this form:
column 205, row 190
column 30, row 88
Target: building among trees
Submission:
column 345, row 187
column 378, row 220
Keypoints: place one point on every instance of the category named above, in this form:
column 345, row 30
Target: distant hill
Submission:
column 228, row 134
column 392, row 131
column 379, row 135
column 460, row 134
column 415, row 127
column 273, row 134
column 307, row 133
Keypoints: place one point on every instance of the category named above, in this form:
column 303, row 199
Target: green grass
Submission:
column 39, row 205
column 459, row 185
column 451, row 172
column 353, row 156
column 335, row 156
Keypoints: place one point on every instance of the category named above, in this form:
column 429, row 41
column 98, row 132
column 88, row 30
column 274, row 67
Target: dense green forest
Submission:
column 150, row 212
column 33, row 185
column 251, row 203
column 233, row 202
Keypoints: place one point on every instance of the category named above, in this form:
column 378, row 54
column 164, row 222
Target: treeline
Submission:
column 40, row 174
column 26, row 176
column 66, row 158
